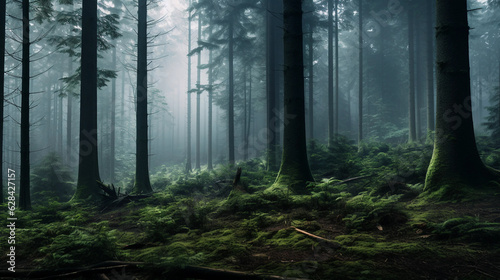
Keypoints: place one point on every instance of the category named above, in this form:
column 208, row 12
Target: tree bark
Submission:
column 69, row 117
column 198, row 94
column 271, row 81
column 231, row 92
column 210, row 109
column 330, row 73
column 113, row 122
column 336, row 110
column 24, row 194
column 142, row 184
column 311, row 82
column 188, row 153
column 360, row 74
column 455, row 167
column 430, row 67
column 88, row 168
column 412, row 137
column 2, row 86
column 294, row 171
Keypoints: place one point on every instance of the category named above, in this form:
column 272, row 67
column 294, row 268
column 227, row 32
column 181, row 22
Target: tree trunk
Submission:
column 24, row 194
column 294, row 171
column 247, row 135
column 455, row 165
column 60, row 126
column 360, row 75
column 122, row 112
column 69, row 117
column 271, row 81
column 142, row 184
column 188, row 153
column 198, row 94
column 430, row 68
column 88, row 168
column 2, row 85
column 113, row 123
column 311, row 82
column 231, row 93
column 210, row 109
column 412, row 137
column 244, row 114
column 330, row 73
column 336, row 116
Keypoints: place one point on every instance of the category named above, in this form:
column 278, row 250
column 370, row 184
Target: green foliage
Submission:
column 51, row 180
column 82, row 246
column 469, row 229
column 365, row 212
column 338, row 160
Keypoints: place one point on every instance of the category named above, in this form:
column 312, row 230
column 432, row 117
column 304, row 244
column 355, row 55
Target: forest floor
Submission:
column 379, row 226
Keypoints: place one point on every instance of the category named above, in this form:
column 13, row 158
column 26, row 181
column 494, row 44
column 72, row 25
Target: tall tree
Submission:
column 360, row 75
column 330, row 73
column 455, row 167
column 88, row 167
column 430, row 65
column 310, row 48
column 412, row 137
column 113, row 122
column 336, row 110
column 272, row 90
column 210, row 102
column 2, row 86
column 24, row 193
column 294, row 170
column 198, row 95
column 188, row 153
column 142, row 183
column 231, row 91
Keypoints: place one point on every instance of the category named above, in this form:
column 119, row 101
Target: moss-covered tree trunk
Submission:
column 294, row 170
column 142, row 184
column 24, row 194
column 88, row 168
column 455, row 167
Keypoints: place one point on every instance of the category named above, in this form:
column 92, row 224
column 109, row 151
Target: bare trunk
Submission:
column 88, row 168
column 198, row 93
column 330, row 73
column 142, row 183
column 412, row 137
column 231, row 93
column 24, row 194
column 360, row 83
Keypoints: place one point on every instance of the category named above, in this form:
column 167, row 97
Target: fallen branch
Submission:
column 111, row 191
column 316, row 237
column 350, row 180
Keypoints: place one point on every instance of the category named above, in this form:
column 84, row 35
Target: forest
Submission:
column 250, row 139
